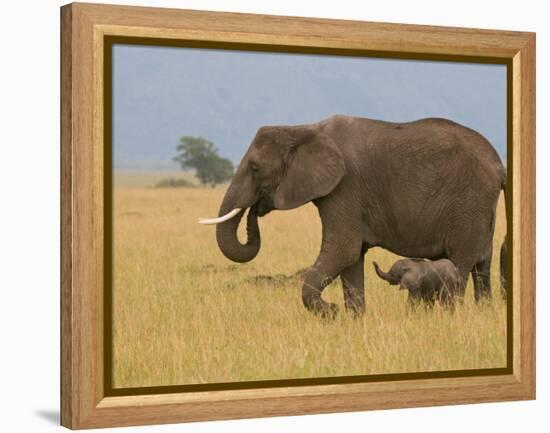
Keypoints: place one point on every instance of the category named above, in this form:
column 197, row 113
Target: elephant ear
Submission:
column 313, row 169
column 411, row 280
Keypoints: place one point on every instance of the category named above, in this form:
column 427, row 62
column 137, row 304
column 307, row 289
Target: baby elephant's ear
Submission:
column 314, row 167
column 411, row 280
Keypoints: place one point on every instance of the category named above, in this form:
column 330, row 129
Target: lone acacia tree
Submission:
column 201, row 155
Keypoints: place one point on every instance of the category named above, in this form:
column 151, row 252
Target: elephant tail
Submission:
column 504, row 246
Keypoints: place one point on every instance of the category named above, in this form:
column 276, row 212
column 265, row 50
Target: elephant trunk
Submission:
column 385, row 275
column 226, row 232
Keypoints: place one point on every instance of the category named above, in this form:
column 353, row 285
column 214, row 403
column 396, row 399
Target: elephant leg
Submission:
column 317, row 278
column 449, row 296
column 460, row 290
column 330, row 263
column 459, row 251
column 413, row 301
column 353, row 284
column 428, row 298
column 481, row 274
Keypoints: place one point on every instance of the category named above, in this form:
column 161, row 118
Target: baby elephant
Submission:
column 425, row 280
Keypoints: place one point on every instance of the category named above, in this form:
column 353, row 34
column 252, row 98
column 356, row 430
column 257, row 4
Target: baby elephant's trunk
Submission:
column 385, row 275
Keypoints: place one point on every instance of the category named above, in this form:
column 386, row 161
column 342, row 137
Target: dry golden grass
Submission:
column 147, row 179
column 184, row 314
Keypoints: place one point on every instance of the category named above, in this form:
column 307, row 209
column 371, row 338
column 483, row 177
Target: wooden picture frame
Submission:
column 85, row 28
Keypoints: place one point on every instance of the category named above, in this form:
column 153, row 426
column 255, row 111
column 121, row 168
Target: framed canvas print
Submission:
column 266, row 215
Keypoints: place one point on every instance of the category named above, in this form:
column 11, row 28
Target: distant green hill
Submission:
column 161, row 94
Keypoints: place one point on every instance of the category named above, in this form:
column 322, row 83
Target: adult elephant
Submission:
column 427, row 188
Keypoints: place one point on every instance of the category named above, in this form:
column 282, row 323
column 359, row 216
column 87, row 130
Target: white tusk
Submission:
column 221, row 219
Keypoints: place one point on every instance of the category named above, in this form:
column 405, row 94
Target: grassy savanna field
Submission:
column 184, row 314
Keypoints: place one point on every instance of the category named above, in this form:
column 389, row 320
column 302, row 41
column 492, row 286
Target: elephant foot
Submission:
column 450, row 303
column 328, row 312
column 325, row 310
column 483, row 297
column 356, row 310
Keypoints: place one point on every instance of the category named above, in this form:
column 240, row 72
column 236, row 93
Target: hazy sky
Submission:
column 161, row 94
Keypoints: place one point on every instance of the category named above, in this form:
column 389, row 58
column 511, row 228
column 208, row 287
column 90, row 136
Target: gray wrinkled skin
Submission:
column 427, row 188
column 425, row 280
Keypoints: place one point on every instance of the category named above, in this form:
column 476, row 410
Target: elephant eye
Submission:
column 254, row 167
